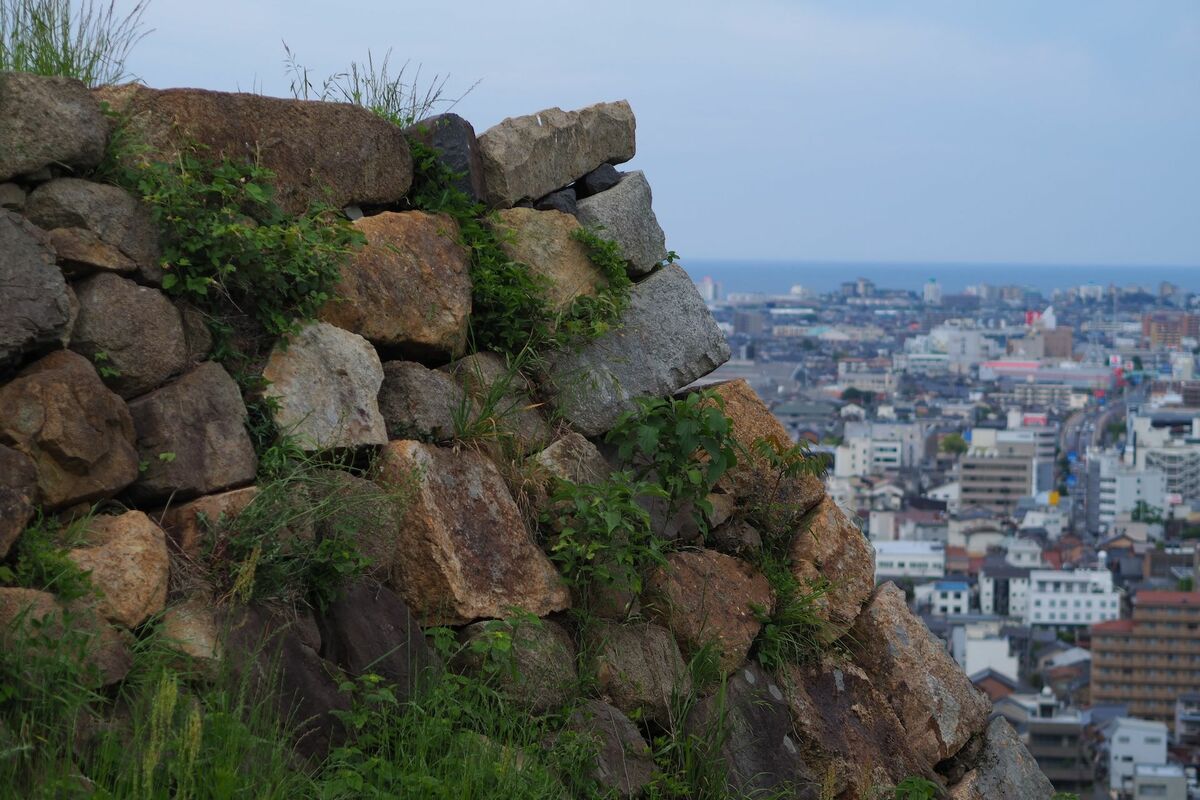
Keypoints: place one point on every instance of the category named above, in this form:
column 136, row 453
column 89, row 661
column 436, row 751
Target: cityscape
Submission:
column 1026, row 465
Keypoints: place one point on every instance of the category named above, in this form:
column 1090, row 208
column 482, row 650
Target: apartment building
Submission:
column 997, row 479
column 1133, row 741
column 950, row 598
column 1071, row 598
column 1169, row 328
column 1115, row 489
column 1152, row 660
column 909, row 560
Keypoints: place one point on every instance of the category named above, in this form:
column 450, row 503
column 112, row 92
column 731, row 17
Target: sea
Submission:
column 778, row 277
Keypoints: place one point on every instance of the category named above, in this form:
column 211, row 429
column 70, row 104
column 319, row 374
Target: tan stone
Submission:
column 828, row 545
column 463, row 550
column 704, row 597
column 78, row 433
column 408, row 288
column 126, row 557
column 190, row 628
column 929, row 692
column 189, row 525
column 544, row 242
column 81, row 251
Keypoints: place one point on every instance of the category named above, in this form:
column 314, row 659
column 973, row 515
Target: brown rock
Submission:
column 573, row 458
column 331, row 153
column 466, row 552
column 408, row 288
column 37, row 312
column 735, row 538
column 77, row 432
column 127, row 558
column 640, row 670
column 105, row 649
column 81, row 252
column 133, row 332
column 191, row 435
column 503, row 402
column 624, row 763
column 536, row 671
column 703, row 596
column 196, row 333
column 48, row 120
column 18, row 494
column 929, row 692
column 193, row 523
column 544, row 242
column 828, row 545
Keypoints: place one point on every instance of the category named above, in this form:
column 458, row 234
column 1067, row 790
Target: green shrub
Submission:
column 74, row 38
column 915, row 788
column 791, row 633
column 39, row 560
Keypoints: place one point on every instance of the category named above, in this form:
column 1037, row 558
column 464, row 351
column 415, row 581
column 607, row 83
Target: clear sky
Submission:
column 1024, row 131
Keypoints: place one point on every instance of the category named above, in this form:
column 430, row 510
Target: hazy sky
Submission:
column 911, row 130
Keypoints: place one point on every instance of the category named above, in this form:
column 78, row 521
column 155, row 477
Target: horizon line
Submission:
column 941, row 264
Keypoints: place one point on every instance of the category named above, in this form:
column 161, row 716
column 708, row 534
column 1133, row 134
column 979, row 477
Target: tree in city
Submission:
column 858, row 396
column 1144, row 512
column 954, row 444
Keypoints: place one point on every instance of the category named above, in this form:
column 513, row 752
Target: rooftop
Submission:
column 1164, row 598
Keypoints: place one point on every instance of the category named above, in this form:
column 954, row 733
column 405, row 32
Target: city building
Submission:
column 951, row 597
column 1056, row 737
column 1159, row 782
column 1169, row 328
column 996, row 481
column 1116, row 489
column 1131, row 742
column 1071, row 598
column 1151, row 660
column 902, row 559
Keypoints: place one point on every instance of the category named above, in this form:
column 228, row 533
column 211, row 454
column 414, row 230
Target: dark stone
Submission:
column 458, row 150
column 47, row 120
column 563, row 200
column 624, row 763
column 420, row 403
column 602, row 177
column 18, row 491
column 35, row 311
column 369, row 629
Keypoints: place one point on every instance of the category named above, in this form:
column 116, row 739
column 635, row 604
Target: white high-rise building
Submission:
column 1071, row 598
column 932, row 293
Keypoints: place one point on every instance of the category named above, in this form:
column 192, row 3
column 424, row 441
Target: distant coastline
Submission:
column 777, row 277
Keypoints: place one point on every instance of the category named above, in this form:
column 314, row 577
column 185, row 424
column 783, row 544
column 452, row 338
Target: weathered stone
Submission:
column 827, row 545
column 530, row 156
column 77, row 432
column 18, row 495
column 191, row 525
column 753, row 478
column 325, row 383
column 503, row 394
column 573, row 458
column 368, row 629
column 362, row 511
column 563, row 200
column 467, row 553
column 33, row 293
column 408, row 289
column 458, row 150
column 601, row 179
column 929, row 692
column 544, row 242
column 328, row 153
column 706, row 597
column 623, row 214
column 192, row 437
column 126, row 557
column 12, row 197
column 639, row 669
column 81, row 252
column 421, row 403
column 115, row 216
column 190, row 629
column 104, row 648
column 666, row 340
column 844, row 723
column 132, row 332
column 196, row 333
column 1005, row 771
column 624, row 763
column 48, row 121
column 541, row 675
column 757, row 747
column 735, row 538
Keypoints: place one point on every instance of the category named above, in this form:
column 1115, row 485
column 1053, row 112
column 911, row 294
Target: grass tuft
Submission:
column 80, row 39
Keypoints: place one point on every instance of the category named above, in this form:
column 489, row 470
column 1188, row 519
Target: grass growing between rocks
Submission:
column 80, row 39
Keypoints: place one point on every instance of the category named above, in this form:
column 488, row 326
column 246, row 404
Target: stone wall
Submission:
column 108, row 392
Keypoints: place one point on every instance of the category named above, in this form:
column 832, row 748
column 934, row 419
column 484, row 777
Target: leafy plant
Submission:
column 683, row 445
column 784, row 462
column 41, row 560
column 915, row 788
column 80, row 39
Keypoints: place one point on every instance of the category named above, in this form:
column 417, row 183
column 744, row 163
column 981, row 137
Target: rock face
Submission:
column 81, row 252
column 48, row 121
column 827, row 545
column 191, row 629
column 503, row 395
column 543, row 241
column 78, row 434
column 133, row 332
column 326, row 384
column 758, row 749
column 33, row 293
column 191, row 435
column 467, row 554
column 408, row 289
column 573, row 458
column 1005, row 771
column 624, row 215
column 331, row 153
column 18, row 493
column 458, row 149
column 191, row 525
column 667, row 339
column 369, row 629
column 421, row 403
column 703, row 596
column 624, row 763
column 106, row 650
column 527, row 157
column 114, row 216
column 601, row 179
column 639, row 669
column 127, row 558
column 929, row 692
column 537, row 673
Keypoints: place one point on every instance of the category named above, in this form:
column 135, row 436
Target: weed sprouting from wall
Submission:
column 81, row 39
